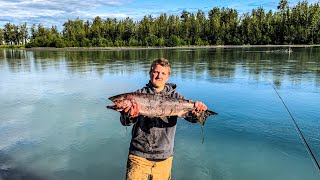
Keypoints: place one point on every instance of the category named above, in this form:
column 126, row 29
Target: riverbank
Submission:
column 142, row 48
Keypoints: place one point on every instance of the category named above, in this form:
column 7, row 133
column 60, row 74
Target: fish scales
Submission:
column 162, row 105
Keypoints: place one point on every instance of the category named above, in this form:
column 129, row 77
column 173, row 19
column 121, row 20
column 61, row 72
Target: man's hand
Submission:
column 132, row 110
column 199, row 106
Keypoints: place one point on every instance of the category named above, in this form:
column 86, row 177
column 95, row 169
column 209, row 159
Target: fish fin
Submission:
column 165, row 119
column 209, row 112
column 183, row 114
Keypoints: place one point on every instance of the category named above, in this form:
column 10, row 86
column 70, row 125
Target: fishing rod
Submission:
column 314, row 159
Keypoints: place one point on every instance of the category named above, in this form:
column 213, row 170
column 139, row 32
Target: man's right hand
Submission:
column 132, row 110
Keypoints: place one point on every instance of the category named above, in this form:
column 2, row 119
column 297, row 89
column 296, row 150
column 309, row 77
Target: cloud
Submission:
column 55, row 12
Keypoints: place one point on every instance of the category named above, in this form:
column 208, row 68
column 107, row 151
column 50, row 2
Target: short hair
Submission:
column 162, row 62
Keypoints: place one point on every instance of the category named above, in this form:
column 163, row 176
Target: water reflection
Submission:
column 299, row 67
column 10, row 170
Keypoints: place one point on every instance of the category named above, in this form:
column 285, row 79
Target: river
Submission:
column 54, row 124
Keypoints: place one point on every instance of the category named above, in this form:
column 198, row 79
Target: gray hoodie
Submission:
column 152, row 138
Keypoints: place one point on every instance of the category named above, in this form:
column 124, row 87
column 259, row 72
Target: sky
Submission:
column 56, row 12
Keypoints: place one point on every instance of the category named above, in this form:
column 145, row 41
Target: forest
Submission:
column 299, row 24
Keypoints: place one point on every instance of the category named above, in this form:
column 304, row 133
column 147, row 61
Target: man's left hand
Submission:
column 132, row 110
column 199, row 106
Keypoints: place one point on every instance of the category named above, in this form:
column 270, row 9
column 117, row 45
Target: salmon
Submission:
column 160, row 105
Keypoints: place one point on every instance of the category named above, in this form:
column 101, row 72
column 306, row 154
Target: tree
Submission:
column 23, row 33
column 97, row 28
column 229, row 26
column 33, row 32
column 161, row 26
column 129, row 29
column 16, row 34
column 193, row 31
column 268, row 28
column 74, row 32
column 201, row 24
column 256, row 24
column 8, row 33
column 110, row 28
column 1, row 36
column 185, row 26
column 145, row 28
column 282, row 22
column 214, row 33
column 120, row 31
column 283, row 6
column 45, row 37
column 173, row 26
column 315, row 23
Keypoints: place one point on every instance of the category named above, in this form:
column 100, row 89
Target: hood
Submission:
column 169, row 87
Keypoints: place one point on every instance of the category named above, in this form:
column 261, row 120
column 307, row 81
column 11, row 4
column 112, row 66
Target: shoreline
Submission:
column 151, row 48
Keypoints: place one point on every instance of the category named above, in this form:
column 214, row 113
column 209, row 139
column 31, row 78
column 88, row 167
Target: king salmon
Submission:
column 160, row 105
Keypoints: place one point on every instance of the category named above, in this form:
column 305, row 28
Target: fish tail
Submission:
column 203, row 115
column 209, row 112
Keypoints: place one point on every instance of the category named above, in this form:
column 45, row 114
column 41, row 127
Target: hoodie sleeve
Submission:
column 126, row 120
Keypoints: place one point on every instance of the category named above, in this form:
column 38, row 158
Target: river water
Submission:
column 54, row 124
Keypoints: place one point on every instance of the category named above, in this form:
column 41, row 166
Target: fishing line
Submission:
column 202, row 133
column 297, row 128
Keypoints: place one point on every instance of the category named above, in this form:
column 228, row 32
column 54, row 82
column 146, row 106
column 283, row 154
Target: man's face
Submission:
column 159, row 76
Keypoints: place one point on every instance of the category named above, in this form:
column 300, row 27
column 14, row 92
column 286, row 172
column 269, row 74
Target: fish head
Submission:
column 121, row 101
column 118, row 97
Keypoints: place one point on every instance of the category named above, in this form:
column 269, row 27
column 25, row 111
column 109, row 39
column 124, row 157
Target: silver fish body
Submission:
column 160, row 105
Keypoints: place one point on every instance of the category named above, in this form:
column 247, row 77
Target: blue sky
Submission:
column 56, row 12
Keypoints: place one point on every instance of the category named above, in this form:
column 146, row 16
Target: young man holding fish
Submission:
column 151, row 147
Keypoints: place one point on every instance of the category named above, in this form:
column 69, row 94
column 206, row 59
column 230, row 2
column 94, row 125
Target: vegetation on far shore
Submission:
column 299, row 24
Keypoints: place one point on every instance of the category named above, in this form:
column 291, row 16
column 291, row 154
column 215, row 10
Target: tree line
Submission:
column 299, row 24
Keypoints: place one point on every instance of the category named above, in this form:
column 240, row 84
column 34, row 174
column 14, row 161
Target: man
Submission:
column 151, row 147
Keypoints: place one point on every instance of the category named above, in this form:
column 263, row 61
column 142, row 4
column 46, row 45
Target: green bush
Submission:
column 161, row 42
column 173, row 41
column 119, row 43
column 58, row 43
column 198, row 42
column 85, row 42
column 133, row 42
